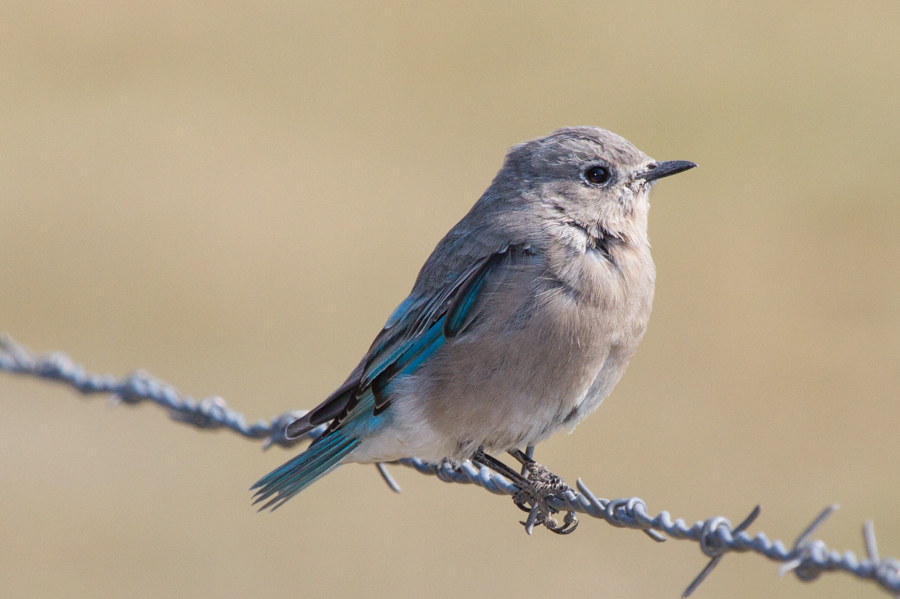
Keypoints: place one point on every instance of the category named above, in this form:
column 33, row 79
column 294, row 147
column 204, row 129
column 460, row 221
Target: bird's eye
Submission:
column 597, row 175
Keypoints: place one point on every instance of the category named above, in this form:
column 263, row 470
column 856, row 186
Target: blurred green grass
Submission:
column 235, row 196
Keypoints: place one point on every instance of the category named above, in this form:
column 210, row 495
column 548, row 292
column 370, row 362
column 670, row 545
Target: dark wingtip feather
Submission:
column 299, row 427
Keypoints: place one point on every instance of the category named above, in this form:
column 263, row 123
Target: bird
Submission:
column 519, row 324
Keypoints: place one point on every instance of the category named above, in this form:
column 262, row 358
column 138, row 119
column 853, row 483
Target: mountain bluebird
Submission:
column 519, row 324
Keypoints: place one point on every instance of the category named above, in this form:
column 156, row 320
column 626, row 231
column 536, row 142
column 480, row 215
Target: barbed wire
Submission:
column 807, row 558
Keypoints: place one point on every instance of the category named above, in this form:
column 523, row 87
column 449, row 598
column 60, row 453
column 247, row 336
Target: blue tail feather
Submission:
column 282, row 475
column 295, row 475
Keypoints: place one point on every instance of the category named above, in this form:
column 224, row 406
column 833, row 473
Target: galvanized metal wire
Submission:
column 807, row 558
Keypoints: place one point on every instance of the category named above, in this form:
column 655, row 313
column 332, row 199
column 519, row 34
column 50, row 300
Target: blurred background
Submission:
column 235, row 195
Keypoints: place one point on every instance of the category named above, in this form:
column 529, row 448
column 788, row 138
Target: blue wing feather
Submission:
column 413, row 332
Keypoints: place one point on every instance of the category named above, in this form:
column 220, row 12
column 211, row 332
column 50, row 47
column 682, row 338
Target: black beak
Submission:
column 658, row 170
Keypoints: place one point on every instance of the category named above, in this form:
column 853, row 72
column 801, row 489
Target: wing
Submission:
column 418, row 326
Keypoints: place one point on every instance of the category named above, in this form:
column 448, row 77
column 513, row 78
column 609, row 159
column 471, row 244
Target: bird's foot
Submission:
column 536, row 487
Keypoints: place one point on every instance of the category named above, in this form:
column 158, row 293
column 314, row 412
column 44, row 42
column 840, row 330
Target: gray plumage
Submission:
column 529, row 311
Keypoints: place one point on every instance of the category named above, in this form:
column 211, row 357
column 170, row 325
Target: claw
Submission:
column 570, row 523
column 538, row 486
column 521, row 502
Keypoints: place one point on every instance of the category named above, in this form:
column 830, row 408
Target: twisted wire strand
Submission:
column 807, row 558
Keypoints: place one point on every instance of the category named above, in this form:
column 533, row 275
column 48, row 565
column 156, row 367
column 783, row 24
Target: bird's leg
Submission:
column 523, row 457
column 499, row 467
column 536, row 484
column 489, row 461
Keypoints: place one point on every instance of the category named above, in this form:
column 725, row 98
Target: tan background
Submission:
column 234, row 196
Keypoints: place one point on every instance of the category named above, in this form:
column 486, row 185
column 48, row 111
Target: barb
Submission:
column 807, row 558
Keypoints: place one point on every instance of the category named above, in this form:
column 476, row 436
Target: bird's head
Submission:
column 585, row 178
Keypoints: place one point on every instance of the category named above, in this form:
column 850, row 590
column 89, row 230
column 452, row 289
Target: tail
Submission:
column 292, row 477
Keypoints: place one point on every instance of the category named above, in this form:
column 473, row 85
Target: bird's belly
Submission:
column 499, row 395
column 403, row 440
column 497, row 410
